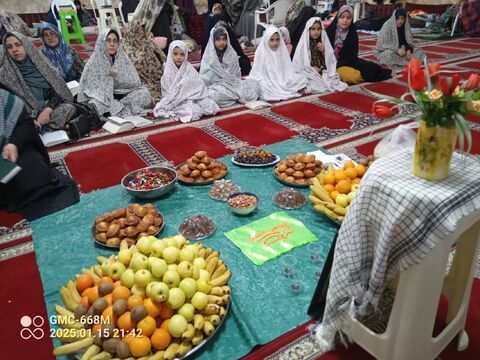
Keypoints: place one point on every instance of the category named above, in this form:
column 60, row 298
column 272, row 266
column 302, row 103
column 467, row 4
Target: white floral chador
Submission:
column 104, row 75
column 184, row 94
column 328, row 80
column 222, row 77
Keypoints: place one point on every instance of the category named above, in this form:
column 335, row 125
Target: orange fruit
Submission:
column 339, row 175
column 165, row 324
column 84, row 301
column 140, row 346
column 117, row 284
column 351, row 173
column 133, row 301
column 329, row 187
column 343, row 186
column 153, row 308
column 166, row 312
column 105, row 279
column 108, row 297
column 125, row 322
column 334, row 194
column 121, row 292
column 360, row 170
column 83, row 282
column 129, row 336
column 147, row 325
column 349, row 164
column 160, row 339
column 93, row 294
column 329, row 179
column 356, row 181
column 108, row 316
column 96, row 327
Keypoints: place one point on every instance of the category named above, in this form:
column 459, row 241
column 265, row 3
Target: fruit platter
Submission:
column 200, row 169
column 297, row 170
column 158, row 299
column 254, row 157
column 129, row 224
column 334, row 190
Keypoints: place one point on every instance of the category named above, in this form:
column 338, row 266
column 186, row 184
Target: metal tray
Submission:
column 204, row 182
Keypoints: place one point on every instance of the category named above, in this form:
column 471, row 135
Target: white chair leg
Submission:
column 455, row 24
column 462, row 341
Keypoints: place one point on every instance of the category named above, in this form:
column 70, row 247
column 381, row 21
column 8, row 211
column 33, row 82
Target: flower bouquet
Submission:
column 442, row 101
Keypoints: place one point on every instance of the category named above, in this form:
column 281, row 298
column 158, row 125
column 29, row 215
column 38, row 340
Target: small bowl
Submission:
column 152, row 193
column 242, row 210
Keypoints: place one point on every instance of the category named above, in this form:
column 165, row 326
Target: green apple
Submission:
column 138, row 290
column 133, row 249
column 144, row 244
column 158, row 267
column 106, row 268
column 351, row 195
column 172, row 267
column 187, row 311
column 177, row 325
column 187, row 254
column 189, row 287
column 170, row 254
column 128, row 278
column 157, row 248
column 176, row 298
column 341, row 200
column 185, row 269
column 139, row 262
column 180, row 240
column 157, row 291
column 171, row 242
column 142, row 277
column 171, row 278
column 203, row 286
column 124, row 256
column 199, row 300
column 196, row 272
column 205, row 275
column 116, row 270
column 355, row 187
column 200, row 262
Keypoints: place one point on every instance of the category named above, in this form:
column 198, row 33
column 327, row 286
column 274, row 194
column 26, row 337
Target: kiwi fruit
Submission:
column 97, row 338
column 122, row 349
column 99, row 305
column 108, row 330
column 110, row 345
column 88, row 318
column 138, row 313
column 105, row 288
column 119, row 307
column 80, row 310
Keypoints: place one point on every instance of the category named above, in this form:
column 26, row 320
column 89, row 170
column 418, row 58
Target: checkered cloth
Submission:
column 395, row 220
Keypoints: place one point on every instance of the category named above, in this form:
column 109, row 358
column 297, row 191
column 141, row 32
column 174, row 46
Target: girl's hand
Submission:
column 321, row 47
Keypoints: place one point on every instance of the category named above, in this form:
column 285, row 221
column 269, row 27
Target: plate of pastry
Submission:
column 297, row 170
column 200, row 169
column 255, row 157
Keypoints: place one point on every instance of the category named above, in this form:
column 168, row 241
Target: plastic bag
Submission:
column 401, row 138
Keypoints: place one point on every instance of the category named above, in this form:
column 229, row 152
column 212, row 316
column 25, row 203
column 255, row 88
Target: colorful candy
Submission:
column 149, row 180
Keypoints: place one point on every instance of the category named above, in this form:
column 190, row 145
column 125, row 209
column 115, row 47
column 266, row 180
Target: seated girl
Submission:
column 110, row 82
column 67, row 61
column 221, row 72
column 184, row 94
column 273, row 69
column 395, row 46
column 25, row 72
column 286, row 39
column 38, row 189
column 314, row 58
column 344, row 39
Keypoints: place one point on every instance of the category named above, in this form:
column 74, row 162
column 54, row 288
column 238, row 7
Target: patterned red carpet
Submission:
column 340, row 122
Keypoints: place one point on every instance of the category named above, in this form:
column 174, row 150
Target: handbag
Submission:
column 87, row 119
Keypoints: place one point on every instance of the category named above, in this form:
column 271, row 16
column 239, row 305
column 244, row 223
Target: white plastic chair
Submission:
column 321, row 6
column 279, row 8
column 459, row 13
column 61, row 5
column 409, row 330
column 105, row 14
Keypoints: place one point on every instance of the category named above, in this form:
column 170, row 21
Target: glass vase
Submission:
column 433, row 151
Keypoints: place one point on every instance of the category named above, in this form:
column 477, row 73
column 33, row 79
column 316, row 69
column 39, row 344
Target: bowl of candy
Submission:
column 222, row 189
column 242, row 203
column 197, row 227
column 289, row 198
column 150, row 182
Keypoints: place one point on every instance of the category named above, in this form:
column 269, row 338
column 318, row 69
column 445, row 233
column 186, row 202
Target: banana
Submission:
column 183, row 348
column 91, row 352
column 208, row 251
column 212, row 255
column 221, row 280
column 211, row 309
column 123, row 245
column 60, row 310
column 321, row 178
column 212, row 299
column 157, row 356
column 90, row 273
column 171, row 352
column 198, row 337
column 133, row 249
column 198, row 321
column 73, row 291
column 226, row 299
column 208, row 328
column 219, row 271
column 331, row 169
column 316, row 200
column 67, row 300
column 212, row 264
column 71, row 335
column 72, row 347
column 188, row 334
column 217, row 290
column 340, row 210
column 321, row 193
column 69, row 322
column 226, row 289
column 223, row 311
column 328, row 212
column 97, row 269
column 214, row 319
column 102, row 356
column 144, row 357
column 101, row 259
column 201, row 253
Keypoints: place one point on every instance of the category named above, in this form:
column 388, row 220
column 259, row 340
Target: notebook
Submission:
column 74, row 87
column 52, row 138
column 257, row 105
column 8, row 170
column 117, row 124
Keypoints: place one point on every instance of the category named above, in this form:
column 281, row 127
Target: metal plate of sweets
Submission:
column 286, row 182
column 185, row 180
column 273, row 162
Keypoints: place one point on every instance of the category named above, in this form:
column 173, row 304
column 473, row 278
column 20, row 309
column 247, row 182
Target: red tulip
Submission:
column 433, row 68
column 382, row 111
column 454, row 81
column 416, row 75
column 472, row 82
column 444, row 86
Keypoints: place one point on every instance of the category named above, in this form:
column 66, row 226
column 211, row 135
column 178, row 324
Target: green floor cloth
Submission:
column 263, row 306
